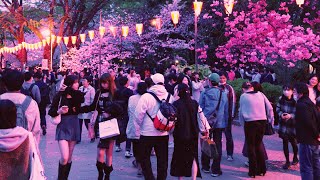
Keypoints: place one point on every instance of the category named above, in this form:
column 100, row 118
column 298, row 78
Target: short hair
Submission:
column 123, row 81
column 257, row 86
column 302, row 88
column 142, row 88
column 149, row 82
column 70, row 80
column 13, row 80
column 223, row 73
column 8, row 114
column 172, row 76
column 246, row 85
column 37, row 75
column 27, row 76
column 186, row 70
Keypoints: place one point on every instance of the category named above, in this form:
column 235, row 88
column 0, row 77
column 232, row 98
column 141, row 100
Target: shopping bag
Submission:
column 55, row 120
column 209, row 148
column 109, row 128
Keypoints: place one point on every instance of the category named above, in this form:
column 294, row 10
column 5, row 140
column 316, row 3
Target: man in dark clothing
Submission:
column 122, row 96
column 171, row 83
column 307, row 130
column 45, row 100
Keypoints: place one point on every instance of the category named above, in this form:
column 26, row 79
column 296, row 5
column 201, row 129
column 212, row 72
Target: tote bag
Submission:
column 109, row 128
column 37, row 170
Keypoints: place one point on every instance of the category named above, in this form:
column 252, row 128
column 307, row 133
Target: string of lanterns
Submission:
column 175, row 15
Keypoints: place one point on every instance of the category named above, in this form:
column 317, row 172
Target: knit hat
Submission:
column 157, row 78
column 214, row 77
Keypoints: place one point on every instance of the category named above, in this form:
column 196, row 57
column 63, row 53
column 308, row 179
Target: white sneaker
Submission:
column 128, row 154
column 118, row 149
column 229, row 158
column 246, row 163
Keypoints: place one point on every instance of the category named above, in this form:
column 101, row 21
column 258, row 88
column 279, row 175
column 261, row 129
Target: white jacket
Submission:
column 148, row 103
column 88, row 99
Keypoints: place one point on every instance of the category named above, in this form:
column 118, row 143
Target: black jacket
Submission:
column 307, row 122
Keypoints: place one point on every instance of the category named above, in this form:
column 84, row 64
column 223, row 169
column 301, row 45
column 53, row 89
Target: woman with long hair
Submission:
column 106, row 111
column 255, row 109
column 185, row 160
column 197, row 86
column 66, row 103
column 312, row 86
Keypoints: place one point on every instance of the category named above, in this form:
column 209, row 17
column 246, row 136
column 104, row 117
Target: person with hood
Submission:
column 214, row 103
column 308, row 133
column 16, row 150
column 149, row 136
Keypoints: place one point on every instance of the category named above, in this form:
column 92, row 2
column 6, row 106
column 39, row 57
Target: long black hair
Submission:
column 283, row 97
column 185, row 96
column 8, row 114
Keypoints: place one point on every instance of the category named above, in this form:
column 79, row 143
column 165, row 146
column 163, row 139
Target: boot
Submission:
column 107, row 171
column 62, row 172
column 68, row 169
column 100, row 167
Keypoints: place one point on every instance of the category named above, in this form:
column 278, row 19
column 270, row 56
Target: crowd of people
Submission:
column 203, row 109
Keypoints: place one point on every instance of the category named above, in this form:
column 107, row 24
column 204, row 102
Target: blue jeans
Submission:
column 309, row 161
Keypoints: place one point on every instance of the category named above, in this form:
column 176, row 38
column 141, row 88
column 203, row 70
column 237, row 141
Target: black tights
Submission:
column 294, row 145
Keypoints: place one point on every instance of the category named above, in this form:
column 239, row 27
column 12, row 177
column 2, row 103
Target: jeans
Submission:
column 216, row 134
column 309, row 162
column 254, row 131
column 229, row 139
column 86, row 122
column 160, row 145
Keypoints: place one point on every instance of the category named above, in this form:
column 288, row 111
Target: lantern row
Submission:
column 175, row 15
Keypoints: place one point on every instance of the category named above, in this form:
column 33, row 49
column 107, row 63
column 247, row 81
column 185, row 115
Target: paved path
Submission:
column 84, row 159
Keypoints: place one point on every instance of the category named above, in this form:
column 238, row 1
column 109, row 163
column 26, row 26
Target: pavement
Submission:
column 84, row 160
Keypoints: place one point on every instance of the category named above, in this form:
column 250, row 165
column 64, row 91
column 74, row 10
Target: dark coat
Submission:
column 307, row 122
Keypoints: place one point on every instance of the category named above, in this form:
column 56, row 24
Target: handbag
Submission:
column 212, row 119
column 109, row 128
column 209, row 148
column 56, row 120
column 93, row 119
column 269, row 129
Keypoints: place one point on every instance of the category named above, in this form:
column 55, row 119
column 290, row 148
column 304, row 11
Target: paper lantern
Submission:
column 156, row 23
column 20, row 46
column 125, row 31
column 59, row 38
column 66, row 40
column 113, row 30
column 197, row 7
column 228, row 5
column 44, row 42
column 175, row 17
column 73, row 40
column 53, row 38
column 139, row 28
column 48, row 40
column 23, row 44
column 91, row 35
column 82, row 38
column 299, row 2
column 102, row 31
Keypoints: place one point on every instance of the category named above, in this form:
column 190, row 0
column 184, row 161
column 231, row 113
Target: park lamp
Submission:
column 175, row 17
column 66, row 40
column 197, row 7
column 228, row 5
column 299, row 2
column 59, row 39
column 102, row 31
column 139, row 28
column 125, row 31
column 82, row 38
column 73, row 40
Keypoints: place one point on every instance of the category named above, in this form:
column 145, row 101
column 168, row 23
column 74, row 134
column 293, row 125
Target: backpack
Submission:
column 27, row 92
column 166, row 116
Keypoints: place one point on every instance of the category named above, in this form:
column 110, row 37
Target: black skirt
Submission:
column 182, row 159
column 68, row 129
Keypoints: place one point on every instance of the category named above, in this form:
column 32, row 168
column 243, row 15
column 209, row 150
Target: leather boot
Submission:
column 68, row 169
column 62, row 172
column 107, row 171
column 100, row 167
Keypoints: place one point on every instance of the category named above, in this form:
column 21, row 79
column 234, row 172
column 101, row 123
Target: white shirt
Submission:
column 88, row 99
column 32, row 112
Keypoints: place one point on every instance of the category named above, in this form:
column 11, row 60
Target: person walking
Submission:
column 308, row 130
column 255, row 109
column 185, row 160
column 214, row 103
column 286, row 108
column 66, row 104
column 150, row 137
column 89, row 93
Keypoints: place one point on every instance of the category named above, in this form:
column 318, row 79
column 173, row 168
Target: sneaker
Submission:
column 295, row 161
column 118, row 149
column 128, row 154
column 139, row 173
column 44, row 130
column 286, row 165
column 92, row 140
column 135, row 164
column 171, row 145
column 229, row 158
column 153, row 153
column 216, row 174
column 205, row 170
column 246, row 163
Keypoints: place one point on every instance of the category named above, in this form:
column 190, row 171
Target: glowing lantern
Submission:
column 197, row 7
column 59, row 38
column 125, row 31
column 139, row 28
column 24, row 44
column 53, row 38
column 91, row 35
column 102, row 31
column 113, row 31
column 20, row 46
column 299, row 2
column 36, row 46
column 74, row 39
column 228, row 5
column 156, row 23
column 48, row 40
column 44, row 42
column 66, row 40
column 82, row 38
column 39, row 44
column 16, row 48
column 175, row 17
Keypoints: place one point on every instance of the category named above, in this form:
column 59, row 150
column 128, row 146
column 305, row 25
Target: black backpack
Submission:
column 27, row 92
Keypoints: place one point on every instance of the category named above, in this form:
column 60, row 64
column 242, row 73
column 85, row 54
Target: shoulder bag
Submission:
column 56, row 120
column 93, row 119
